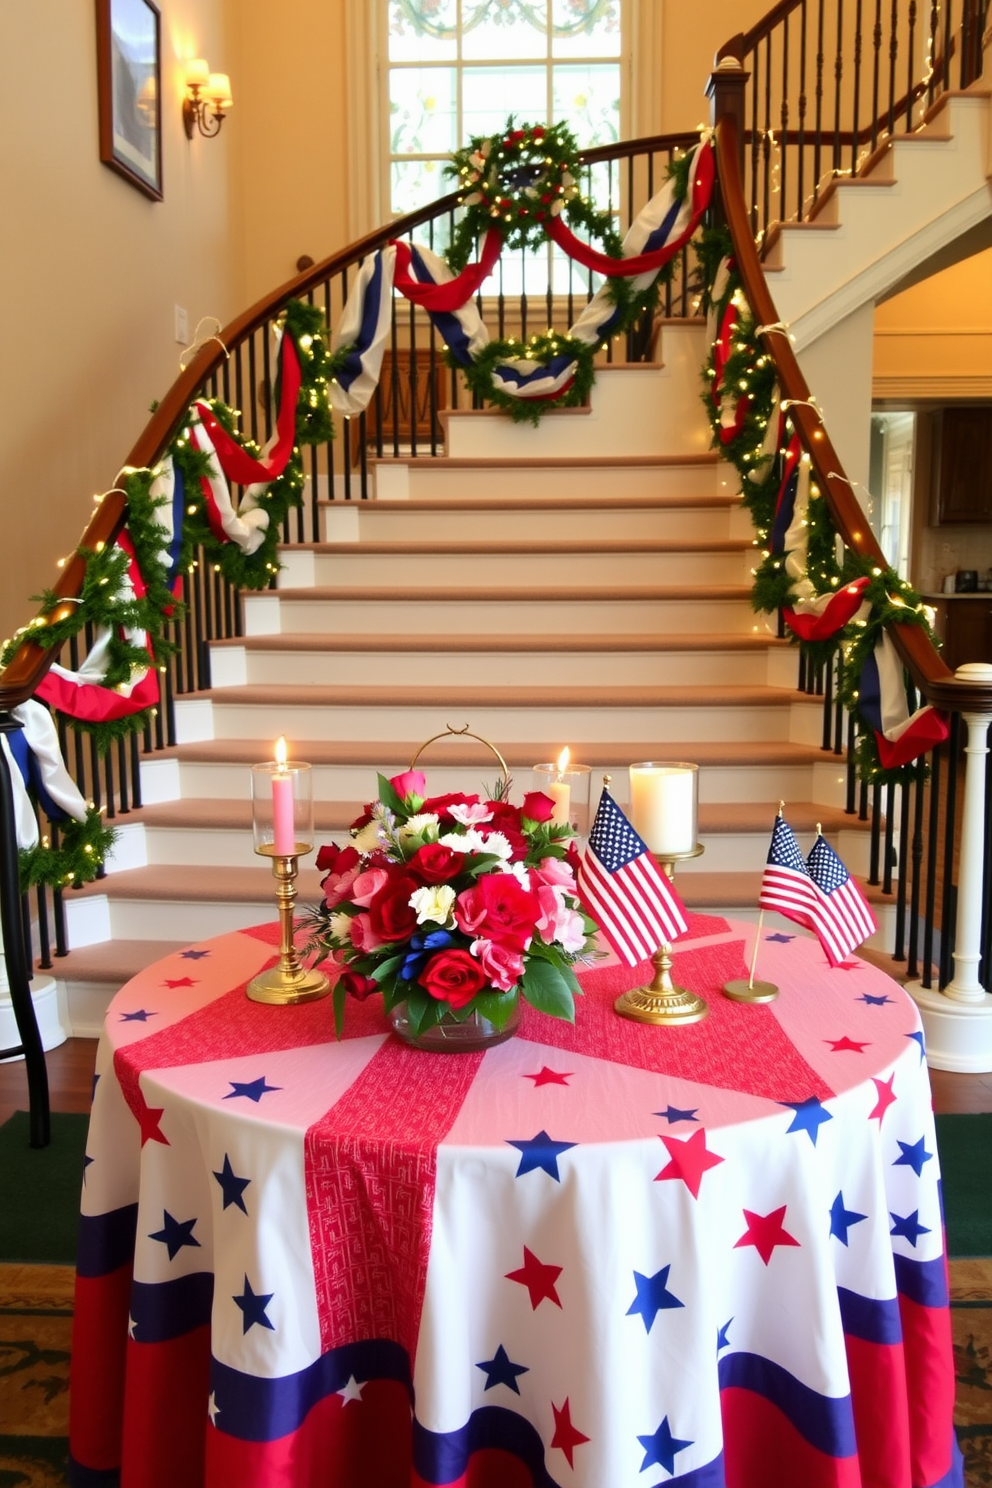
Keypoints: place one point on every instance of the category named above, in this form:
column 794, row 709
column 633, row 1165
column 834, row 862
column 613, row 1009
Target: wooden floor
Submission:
column 70, row 1076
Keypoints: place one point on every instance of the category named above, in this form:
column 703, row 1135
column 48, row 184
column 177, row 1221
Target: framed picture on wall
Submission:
column 129, row 79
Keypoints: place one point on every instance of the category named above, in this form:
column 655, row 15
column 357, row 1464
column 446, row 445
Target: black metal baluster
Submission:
column 912, row 961
column 123, row 792
column 933, row 834
column 932, row 53
column 876, row 830
column 414, row 381
column 910, row 89
column 852, row 768
column 899, row 954
column 766, row 143
column 838, row 76
column 893, row 58
column 890, row 828
column 818, row 94
column 135, row 773
column 828, row 704
column 801, row 167
column 783, row 125
column 44, row 945
column 756, row 227
column 857, row 88
column 58, row 904
column 876, row 75
column 108, row 772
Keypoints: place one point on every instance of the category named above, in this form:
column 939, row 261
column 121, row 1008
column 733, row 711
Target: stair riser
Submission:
column 385, row 522
column 742, row 852
column 436, row 481
column 169, row 780
column 232, row 666
column 271, row 615
column 799, row 722
column 521, row 570
column 93, row 920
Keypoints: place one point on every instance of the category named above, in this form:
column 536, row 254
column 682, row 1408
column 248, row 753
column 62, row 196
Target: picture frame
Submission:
column 129, row 88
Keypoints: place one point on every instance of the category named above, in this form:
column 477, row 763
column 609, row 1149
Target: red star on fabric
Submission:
column 148, row 1119
column 538, row 1278
column 764, row 1232
column 179, row 982
column 689, row 1160
column 886, row 1098
column 841, row 1045
column 566, row 1438
column 547, row 1076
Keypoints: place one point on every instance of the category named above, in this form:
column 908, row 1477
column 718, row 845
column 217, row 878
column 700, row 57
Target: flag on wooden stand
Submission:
column 845, row 920
column 624, row 890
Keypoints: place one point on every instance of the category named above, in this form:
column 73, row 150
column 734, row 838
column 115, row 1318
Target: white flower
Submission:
column 340, row 926
column 368, row 839
column 497, row 843
column 433, row 902
column 470, row 841
column 424, row 825
column 518, row 871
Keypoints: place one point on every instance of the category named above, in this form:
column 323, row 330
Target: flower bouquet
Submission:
column 452, row 907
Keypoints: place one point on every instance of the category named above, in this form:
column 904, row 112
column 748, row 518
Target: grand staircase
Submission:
column 542, row 600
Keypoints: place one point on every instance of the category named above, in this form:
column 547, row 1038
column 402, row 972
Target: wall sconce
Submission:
column 208, row 97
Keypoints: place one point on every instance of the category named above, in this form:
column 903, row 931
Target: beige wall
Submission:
column 91, row 270
column 935, row 340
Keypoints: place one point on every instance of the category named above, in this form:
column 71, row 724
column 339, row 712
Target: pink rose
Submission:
column 550, row 902
column 344, row 866
column 410, row 783
column 538, row 806
column 363, row 936
column 498, row 908
column 570, row 931
column 557, row 872
column 367, row 884
column 503, row 967
column 453, row 976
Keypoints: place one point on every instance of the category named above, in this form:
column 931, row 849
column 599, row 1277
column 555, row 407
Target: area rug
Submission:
column 35, row 1328
column 39, row 1191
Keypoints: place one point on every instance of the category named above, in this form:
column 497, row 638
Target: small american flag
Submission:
column 624, row 890
column 786, row 884
column 844, row 920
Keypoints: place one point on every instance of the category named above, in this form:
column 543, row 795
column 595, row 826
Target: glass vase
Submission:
column 451, row 1036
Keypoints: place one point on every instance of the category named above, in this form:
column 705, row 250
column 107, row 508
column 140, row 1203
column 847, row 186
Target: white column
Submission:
column 958, row 1021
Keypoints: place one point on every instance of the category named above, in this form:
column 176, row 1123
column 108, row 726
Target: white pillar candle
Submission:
column 663, row 807
column 561, row 793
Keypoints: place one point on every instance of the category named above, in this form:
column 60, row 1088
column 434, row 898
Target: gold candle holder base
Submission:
column 290, row 981
column 662, row 1002
column 741, row 990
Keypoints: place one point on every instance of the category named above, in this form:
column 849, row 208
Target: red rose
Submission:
column 434, row 863
column 343, row 865
column 504, row 814
column 337, row 859
column 439, row 804
column 390, row 912
column 453, row 977
column 364, row 819
column 538, row 806
column 358, row 986
column 519, row 846
column 497, row 908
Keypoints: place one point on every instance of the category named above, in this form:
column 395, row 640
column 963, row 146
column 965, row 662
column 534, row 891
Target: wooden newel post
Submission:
column 726, row 91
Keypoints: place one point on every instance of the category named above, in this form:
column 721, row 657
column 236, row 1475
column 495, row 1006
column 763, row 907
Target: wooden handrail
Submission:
column 926, row 667
column 21, row 677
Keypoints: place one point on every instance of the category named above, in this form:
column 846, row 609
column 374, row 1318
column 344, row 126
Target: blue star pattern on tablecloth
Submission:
column 841, row 1219
column 661, row 1447
column 722, row 1341
column 917, row 1038
column 652, row 1297
column 908, row 1226
column 138, row 1016
column 175, row 1233
column 913, row 1155
column 253, row 1305
column 232, row 1186
column 672, row 1114
column 253, row 1089
column 810, row 1116
column 500, row 1370
column 873, row 1001
column 782, row 939
column 540, row 1152
column 193, row 955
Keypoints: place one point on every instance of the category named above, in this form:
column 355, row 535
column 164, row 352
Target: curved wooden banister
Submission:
column 29, row 664
column 926, row 667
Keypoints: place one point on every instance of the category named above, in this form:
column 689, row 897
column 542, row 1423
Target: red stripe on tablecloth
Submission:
column 877, row 1372
column 926, row 1334
column 762, row 1449
column 370, row 1171
column 736, row 1047
column 165, row 1415
column 364, row 1444
column 96, row 1371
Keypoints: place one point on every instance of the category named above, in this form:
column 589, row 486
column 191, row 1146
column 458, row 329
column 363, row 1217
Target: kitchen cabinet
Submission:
column 964, row 624
column 962, row 468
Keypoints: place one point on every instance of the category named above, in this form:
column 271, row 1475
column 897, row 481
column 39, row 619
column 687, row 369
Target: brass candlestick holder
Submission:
column 662, row 1002
column 282, row 825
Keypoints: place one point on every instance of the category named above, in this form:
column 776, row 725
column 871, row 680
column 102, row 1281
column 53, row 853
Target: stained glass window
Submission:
column 459, row 67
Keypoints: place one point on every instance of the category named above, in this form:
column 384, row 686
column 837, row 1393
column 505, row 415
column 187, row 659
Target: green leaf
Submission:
column 390, row 797
column 496, row 1006
column 547, row 990
column 338, row 996
column 387, row 967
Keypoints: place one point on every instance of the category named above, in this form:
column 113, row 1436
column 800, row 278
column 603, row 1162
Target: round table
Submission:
column 601, row 1254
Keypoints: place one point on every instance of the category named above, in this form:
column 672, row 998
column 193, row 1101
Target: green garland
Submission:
column 77, row 859
column 479, row 373
column 750, row 371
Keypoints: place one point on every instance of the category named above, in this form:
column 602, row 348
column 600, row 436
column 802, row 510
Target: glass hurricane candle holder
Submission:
column 664, row 807
column 569, row 789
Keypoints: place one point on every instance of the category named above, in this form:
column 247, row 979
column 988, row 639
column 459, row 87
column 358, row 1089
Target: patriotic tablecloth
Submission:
column 601, row 1255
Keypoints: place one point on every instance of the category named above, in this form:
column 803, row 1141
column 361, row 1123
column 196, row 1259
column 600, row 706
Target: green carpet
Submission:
column 39, row 1190
column 965, row 1144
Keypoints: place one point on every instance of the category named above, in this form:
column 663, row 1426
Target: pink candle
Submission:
column 283, row 813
